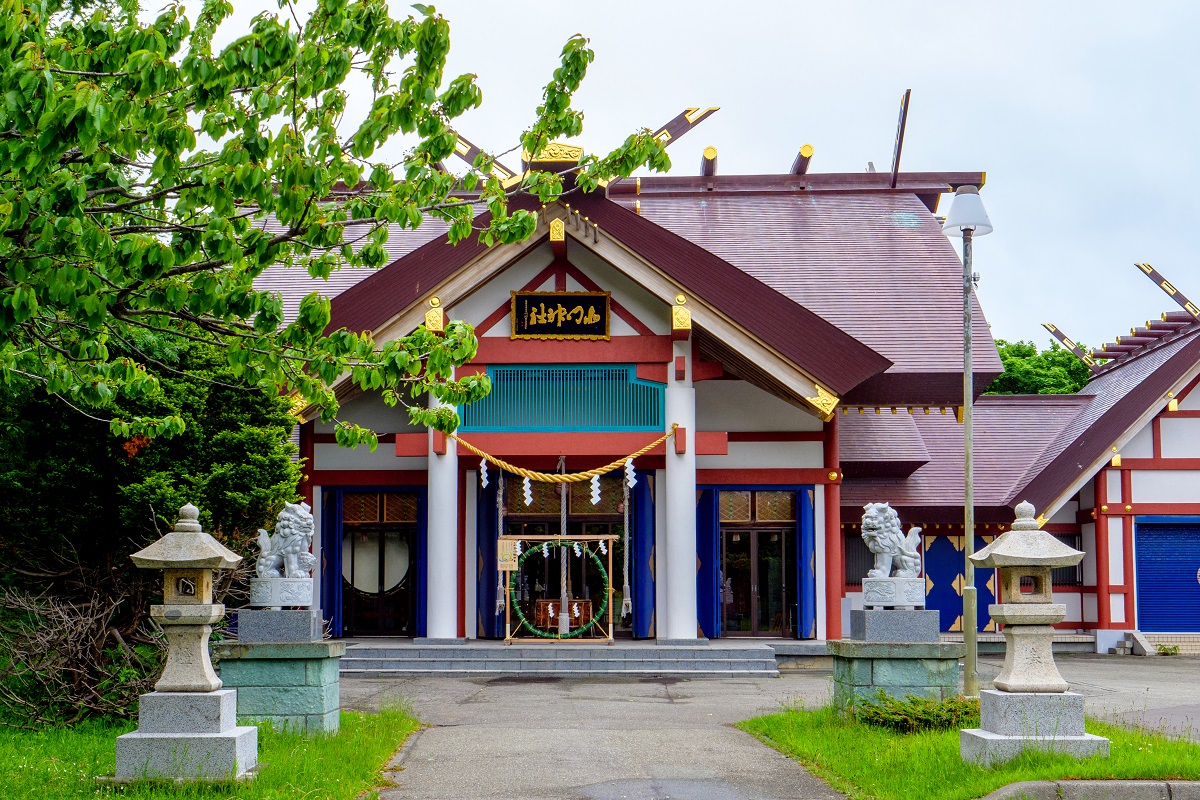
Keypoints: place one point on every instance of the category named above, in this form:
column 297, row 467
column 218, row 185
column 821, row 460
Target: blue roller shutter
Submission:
column 1168, row 577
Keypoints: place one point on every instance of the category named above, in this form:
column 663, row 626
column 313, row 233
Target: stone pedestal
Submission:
column 1010, row 722
column 892, row 592
column 187, row 735
column 293, row 686
column 279, row 592
column 256, row 625
column 894, row 625
column 919, row 669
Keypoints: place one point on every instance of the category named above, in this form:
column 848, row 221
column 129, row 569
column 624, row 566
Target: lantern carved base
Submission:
column 1028, row 655
column 188, row 668
column 188, row 736
column 1013, row 722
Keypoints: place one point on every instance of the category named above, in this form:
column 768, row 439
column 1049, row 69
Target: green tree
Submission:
column 1027, row 371
column 78, row 500
column 147, row 179
column 74, row 635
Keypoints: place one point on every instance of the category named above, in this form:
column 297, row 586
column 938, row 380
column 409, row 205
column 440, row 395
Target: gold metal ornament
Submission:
column 435, row 318
column 824, row 401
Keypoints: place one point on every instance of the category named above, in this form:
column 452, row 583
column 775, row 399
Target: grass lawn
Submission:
column 64, row 762
column 865, row 761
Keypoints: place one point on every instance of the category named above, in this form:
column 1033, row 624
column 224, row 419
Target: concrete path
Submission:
column 598, row 739
column 629, row 739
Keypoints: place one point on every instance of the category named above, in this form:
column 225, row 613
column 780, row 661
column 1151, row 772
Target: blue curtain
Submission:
column 488, row 621
column 331, row 557
column 806, row 568
column 708, row 550
column 641, row 560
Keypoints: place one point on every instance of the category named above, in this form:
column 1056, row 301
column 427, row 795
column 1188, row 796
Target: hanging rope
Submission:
column 574, row 477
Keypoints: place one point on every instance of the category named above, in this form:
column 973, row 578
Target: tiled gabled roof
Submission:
column 1119, row 397
column 874, row 263
column 1011, row 433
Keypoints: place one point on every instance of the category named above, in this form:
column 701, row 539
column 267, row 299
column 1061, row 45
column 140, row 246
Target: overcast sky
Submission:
column 1082, row 114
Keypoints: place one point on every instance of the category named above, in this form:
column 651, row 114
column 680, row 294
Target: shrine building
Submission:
column 790, row 344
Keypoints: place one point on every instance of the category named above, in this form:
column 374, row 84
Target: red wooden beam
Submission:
column 706, row 370
column 636, row 349
column 609, row 445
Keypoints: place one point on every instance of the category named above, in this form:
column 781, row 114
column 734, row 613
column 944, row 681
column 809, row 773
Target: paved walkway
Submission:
column 600, row 739
column 629, row 739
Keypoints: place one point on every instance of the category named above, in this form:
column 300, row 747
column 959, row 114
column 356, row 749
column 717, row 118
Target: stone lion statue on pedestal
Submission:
column 285, row 555
column 896, row 555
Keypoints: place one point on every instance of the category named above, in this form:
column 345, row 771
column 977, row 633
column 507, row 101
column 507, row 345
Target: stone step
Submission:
column 573, row 665
column 560, row 673
column 558, row 660
column 557, row 651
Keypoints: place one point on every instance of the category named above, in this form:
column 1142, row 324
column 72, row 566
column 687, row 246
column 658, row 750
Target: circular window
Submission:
column 361, row 558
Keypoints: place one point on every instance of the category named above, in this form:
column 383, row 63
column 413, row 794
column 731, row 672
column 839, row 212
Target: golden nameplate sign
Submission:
column 560, row 315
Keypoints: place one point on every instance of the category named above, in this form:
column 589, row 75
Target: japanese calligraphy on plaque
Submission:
column 507, row 557
column 560, row 315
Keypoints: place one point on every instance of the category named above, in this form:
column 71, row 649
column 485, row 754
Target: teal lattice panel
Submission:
column 608, row 397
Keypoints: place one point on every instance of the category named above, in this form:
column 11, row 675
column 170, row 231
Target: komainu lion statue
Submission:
column 893, row 550
column 285, row 555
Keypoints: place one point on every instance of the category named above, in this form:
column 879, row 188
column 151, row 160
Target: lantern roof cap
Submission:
column 187, row 547
column 1026, row 545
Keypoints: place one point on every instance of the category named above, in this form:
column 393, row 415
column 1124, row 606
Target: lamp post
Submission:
column 967, row 218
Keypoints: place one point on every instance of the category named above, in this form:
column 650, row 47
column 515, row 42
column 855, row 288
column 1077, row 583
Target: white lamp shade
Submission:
column 966, row 211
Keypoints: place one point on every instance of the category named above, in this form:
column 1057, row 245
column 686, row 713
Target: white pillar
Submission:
column 441, row 566
column 679, row 615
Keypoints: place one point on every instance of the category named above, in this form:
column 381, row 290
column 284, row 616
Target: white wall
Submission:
column 1180, row 437
column 766, row 455
column 1116, row 551
column 655, row 314
column 333, row 456
column 1066, row 513
column 491, row 295
column 1074, row 603
column 1166, row 485
column 370, row 411
column 1141, row 445
column 1087, row 495
column 1088, row 545
column 739, row 406
column 1113, row 478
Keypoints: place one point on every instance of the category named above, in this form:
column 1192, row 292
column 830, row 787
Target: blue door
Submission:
column 1168, row 577
column 944, row 565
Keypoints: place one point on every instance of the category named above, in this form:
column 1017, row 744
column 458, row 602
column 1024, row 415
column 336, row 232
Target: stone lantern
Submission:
column 1030, row 708
column 187, row 727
